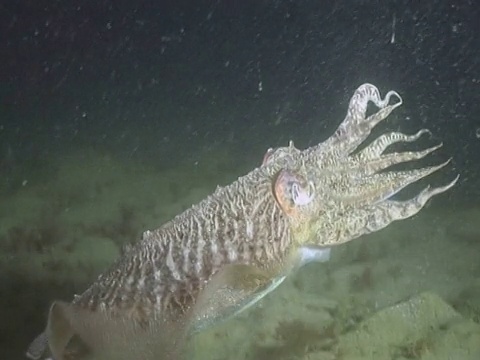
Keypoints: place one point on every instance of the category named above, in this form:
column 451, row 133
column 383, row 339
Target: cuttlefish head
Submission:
column 332, row 193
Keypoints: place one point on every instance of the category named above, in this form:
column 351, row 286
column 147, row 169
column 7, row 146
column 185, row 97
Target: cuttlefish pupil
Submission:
column 302, row 195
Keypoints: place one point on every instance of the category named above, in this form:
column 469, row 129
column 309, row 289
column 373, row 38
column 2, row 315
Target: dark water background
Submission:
column 159, row 81
column 139, row 77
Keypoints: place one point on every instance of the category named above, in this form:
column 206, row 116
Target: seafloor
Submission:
column 411, row 291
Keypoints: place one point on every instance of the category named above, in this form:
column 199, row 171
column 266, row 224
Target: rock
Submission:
column 424, row 327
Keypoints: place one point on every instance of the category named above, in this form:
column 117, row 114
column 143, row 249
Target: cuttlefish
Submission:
column 225, row 253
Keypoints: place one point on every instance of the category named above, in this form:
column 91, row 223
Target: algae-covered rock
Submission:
column 424, row 327
column 460, row 341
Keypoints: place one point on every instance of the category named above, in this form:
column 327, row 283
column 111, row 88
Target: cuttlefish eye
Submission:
column 292, row 190
column 301, row 195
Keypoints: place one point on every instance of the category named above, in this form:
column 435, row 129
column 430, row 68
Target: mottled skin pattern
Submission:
column 322, row 196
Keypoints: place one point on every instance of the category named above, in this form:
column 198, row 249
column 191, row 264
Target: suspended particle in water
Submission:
column 477, row 133
column 394, row 20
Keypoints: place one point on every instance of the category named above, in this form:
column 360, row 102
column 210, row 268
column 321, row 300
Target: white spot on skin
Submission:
column 232, row 255
column 171, row 264
column 217, row 257
column 249, row 229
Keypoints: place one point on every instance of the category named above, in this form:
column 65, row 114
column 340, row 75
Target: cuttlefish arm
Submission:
column 350, row 192
column 356, row 127
column 313, row 224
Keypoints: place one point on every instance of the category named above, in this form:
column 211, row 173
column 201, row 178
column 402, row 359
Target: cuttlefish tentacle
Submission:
column 388, row 160
column 355, row 128
column 391, row 210
column 365, row 167
column 379, row 187
column 368, row 219
column 376, row 148
column 361, row 201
